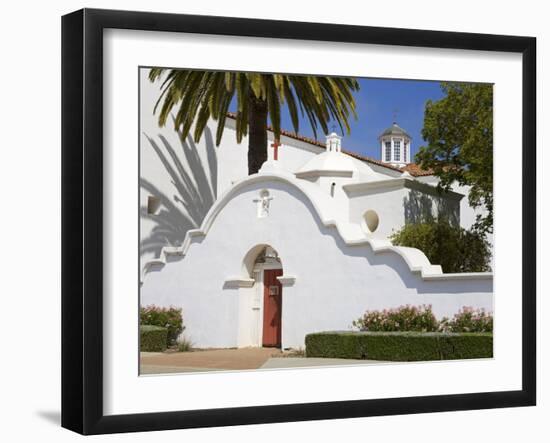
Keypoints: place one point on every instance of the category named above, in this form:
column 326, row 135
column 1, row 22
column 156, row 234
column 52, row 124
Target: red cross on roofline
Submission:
column 275, row 145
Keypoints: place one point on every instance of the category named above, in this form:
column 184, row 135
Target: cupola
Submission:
column 334, row 142
column 395, row 146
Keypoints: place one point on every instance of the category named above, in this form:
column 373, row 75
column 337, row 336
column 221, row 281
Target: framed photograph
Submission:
column 270, row 221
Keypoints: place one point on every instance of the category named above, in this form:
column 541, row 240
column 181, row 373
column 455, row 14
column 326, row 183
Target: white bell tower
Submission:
column 395, row 146
column 334, row 142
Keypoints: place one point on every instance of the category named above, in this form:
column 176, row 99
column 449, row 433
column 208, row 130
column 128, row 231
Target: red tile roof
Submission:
column 416, row 171
column 412, row 168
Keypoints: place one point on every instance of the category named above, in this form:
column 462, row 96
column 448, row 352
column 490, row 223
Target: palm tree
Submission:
column 201, row 95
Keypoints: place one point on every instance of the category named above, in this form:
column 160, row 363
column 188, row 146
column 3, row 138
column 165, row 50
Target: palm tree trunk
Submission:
column 257, row 134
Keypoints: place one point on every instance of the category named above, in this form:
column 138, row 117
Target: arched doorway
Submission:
column 263, row 264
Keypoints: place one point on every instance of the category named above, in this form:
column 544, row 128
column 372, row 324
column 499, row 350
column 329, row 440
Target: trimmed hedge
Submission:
column 399, row 346
column 152, row 338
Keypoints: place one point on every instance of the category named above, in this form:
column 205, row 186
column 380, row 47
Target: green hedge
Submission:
column 152, row 338
column 165, row 317
column 399, row 346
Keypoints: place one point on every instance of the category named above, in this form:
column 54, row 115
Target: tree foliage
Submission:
column 459, row 133
column 454, row 248
column 201, row 95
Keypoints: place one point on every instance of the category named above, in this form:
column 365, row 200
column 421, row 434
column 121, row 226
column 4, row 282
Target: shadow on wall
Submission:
column 422, row 208
column 195, row 188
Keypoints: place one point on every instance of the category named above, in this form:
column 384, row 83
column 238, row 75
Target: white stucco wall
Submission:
column 391, row 216
column 334, row 282
column 398, row 204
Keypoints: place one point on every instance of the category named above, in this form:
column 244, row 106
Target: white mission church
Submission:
column 300, row 247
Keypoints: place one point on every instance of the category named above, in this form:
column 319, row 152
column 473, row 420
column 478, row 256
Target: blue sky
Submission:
column 376, row 101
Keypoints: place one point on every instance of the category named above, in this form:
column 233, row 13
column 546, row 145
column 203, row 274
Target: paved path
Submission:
column 229, row 359
column 232, row 360
column 160, row 369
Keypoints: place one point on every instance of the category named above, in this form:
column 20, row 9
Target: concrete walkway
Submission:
column 231, row 360
column 302, row 362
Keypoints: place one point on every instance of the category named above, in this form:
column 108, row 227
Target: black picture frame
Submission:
column 82, row 220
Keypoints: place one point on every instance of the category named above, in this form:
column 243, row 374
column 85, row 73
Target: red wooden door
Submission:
column 273, row 303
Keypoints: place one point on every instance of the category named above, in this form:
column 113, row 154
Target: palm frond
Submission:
column 198, row 96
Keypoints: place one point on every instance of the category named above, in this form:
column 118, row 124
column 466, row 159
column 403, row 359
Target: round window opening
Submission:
column 371, row 220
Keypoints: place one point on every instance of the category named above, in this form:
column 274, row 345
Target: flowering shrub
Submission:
column 169, row 318
column 403, row 318
column 422, row 319
column 468, row 320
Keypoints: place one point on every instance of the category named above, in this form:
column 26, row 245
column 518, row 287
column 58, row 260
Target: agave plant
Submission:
column 201, row 95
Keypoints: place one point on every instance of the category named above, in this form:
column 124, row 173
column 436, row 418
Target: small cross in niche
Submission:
column 263, row 203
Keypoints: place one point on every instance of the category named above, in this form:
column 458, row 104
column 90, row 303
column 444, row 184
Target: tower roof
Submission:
column 395, row 129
